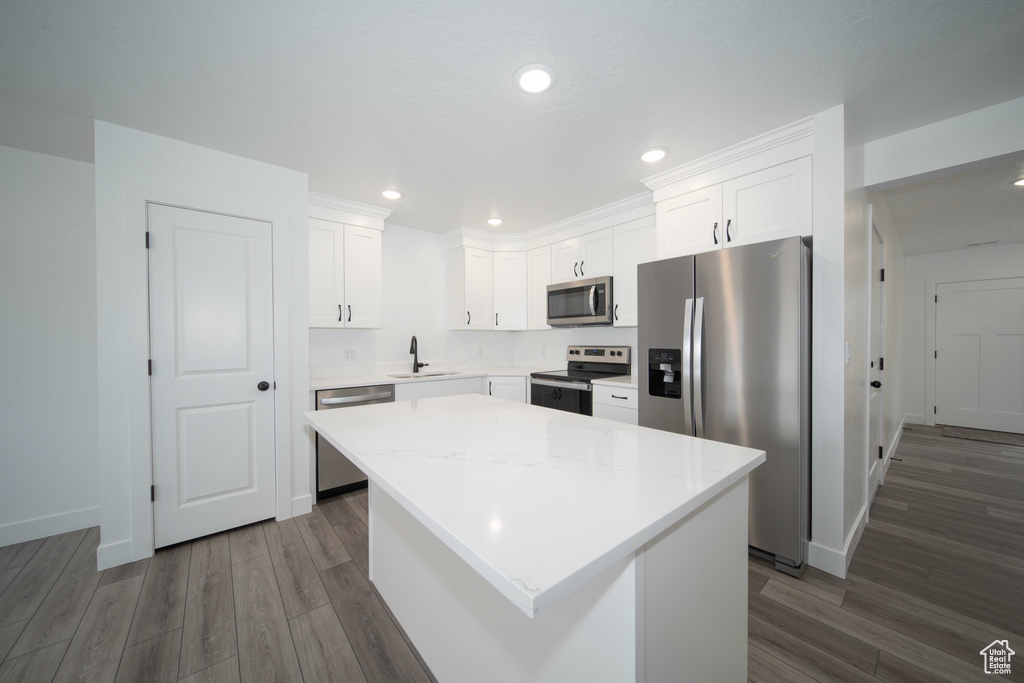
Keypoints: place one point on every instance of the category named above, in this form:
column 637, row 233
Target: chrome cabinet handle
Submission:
column 490, row 388
column 350, row 313
column 354, row 399
column 468, row 317
column 714, row 232
column 698, row 361
column 581, row 269
column 687, row 387
column 621, row 398
column 340, row 313
column 575, row 274
column 728, row 236
column 616, row 311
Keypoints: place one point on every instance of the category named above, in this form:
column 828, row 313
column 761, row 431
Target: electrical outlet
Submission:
column 350, row 354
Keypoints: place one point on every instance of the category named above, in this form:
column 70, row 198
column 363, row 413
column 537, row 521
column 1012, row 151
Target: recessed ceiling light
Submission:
column 534, row 78
column 652, row 155
column 1020, row 182
column 392, row 194
column 494, row 221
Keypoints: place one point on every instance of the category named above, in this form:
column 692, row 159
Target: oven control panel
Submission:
column 599, row 354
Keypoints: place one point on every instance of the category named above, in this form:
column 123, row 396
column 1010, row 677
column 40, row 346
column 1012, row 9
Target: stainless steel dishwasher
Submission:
column 334, row 472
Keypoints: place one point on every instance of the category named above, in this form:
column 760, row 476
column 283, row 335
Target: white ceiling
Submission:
column 419, row 96
column 970, row 208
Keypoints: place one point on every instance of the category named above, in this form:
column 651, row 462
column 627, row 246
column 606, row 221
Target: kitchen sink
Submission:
column 410, row 375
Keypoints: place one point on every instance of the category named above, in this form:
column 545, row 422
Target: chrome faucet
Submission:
column 414, row 350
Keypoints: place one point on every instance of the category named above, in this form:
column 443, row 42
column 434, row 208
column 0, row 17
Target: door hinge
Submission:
column 936, row 353
column 880, row 456
column 881, row 364
column 275, row 386
column 883, row 274
column 152, row 494
column 935, row 410
column 936, row 298
column 147, row 239
column 150, row 364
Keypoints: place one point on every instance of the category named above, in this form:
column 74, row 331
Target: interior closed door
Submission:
column 212, row 344
column 876, row 388
column 979, row 360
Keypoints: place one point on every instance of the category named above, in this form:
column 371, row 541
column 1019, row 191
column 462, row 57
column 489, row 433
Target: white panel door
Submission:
column 510, row 290
column 596, row 253
column 362, row 277
column 876, row 334
column 508, row 388
column 635, row 243
column 479, row 289
column 768, row 205
column 538, row 277
column 211, row 336
column 690, row 223
column 326, row 281
column 565, row 261
column 979, row 343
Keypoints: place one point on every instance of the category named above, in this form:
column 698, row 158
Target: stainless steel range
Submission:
column 570, row 389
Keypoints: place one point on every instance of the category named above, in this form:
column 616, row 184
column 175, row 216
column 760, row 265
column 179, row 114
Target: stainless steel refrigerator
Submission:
column 725, row 352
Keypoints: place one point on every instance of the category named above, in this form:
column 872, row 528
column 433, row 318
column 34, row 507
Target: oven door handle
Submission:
column 578, row 386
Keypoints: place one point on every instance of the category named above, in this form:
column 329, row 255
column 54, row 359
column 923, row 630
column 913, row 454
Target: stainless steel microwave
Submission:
column 581, row 302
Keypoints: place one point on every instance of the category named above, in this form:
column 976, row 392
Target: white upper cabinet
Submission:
column 362, row 277
column 471, row 289
column 769, row 204
column 565, row 261
column 344, row 275
column 582, row 257
column 538, row 277
column 634, row 243
column 326, row 273
column 596, row 253
column 690, row 223
column 510, row 290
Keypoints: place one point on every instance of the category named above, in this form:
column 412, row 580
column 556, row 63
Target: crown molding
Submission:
column 348, row 205
column 787, row 134
column 621, row 206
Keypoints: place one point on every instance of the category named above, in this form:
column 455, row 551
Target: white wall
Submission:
column 48, row 341
column 131, row 168
column 415, row 302
column 967, row 263
column 544, row 348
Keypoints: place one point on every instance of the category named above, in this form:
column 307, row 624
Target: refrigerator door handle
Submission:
column 698, row 361
column 687, row 358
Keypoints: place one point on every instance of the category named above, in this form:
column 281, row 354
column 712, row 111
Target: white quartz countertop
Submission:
column 537, row 501
column 316, row 384
column 618, row 381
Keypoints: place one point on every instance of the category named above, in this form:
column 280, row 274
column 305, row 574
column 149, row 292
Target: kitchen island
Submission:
column 518, row 543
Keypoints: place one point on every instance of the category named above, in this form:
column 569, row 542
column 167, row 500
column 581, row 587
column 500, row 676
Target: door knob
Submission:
column 263, row 386
column 876, row 384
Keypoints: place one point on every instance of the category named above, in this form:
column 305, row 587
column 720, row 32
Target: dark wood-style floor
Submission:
column 939, row 574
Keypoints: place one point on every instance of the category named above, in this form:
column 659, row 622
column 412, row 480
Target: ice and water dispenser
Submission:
column 665, row 373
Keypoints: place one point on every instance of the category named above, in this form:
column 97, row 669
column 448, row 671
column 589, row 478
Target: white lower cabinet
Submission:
column 618, row 403
column 432, row 388
column 508, row 388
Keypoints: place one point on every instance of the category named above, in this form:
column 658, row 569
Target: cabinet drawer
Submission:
column 623, row 397
column 617, row 413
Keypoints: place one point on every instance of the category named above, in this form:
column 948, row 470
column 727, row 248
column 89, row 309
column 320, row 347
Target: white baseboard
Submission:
column 301, row 505
column 915, row 419
column 113, row 554
column 833, row 561
column 49, row 525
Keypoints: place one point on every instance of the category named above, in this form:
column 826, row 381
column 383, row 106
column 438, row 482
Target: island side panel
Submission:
column 466, row 631
column 693, row 595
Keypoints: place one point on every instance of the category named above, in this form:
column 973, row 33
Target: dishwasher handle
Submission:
column 355, row 399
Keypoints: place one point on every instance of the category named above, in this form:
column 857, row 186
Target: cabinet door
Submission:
column 362, row 277
column 690, row 223
column 510, row 290
column 479, row 285
column 508, row 388
column 596, row 253
column 635, row 243
column 538, row 277
column 768, row 205
column 565, row 261
column 326, row 273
